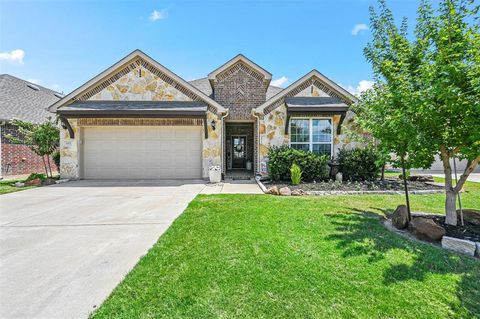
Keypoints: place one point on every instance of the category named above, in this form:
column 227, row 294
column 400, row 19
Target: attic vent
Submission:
column 33, row 87
column 58, row 95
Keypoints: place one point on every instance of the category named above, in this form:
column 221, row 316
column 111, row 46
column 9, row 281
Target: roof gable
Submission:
column 240, row 62
column 141, row 85
column 314, row 78
column 135, row 60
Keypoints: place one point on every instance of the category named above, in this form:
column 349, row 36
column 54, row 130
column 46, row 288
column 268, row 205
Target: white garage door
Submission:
column 163, row 152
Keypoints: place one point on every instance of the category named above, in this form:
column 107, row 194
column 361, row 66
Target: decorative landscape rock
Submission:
column 471, row 216
column 297, row 192
column 273, row 190
column 426, row 229
column 285, row 191
column 400, row 217
column 34, row 182
column 461, row 246
column 19, row 184
column 421, row 178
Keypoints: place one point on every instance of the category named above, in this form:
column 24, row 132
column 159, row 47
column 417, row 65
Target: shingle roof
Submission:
column 19, row 101
column 315, row 104
column 314, row 101
column 204, row 85
column 135, row 106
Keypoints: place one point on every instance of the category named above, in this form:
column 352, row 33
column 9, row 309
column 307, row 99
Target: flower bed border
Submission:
column 379, row 192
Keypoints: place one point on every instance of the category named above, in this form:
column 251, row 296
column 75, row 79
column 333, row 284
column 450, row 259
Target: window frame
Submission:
column 310, row 132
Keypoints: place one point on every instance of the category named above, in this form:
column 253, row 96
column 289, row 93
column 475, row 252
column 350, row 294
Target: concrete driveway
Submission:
column 63, row 248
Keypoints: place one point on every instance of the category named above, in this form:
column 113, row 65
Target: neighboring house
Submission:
column 26, row 101
column 138, row 120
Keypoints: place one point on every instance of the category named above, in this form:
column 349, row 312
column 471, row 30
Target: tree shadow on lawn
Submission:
column 360, row 233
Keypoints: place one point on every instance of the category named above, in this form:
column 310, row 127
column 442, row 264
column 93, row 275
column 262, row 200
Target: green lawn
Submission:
column 6, row 187
column 257, row 256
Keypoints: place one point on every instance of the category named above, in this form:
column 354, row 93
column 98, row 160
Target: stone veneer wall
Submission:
column 140, row 85
column 69, row 152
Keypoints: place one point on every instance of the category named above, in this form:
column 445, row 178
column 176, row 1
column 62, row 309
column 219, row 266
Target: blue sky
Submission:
column 62, row 44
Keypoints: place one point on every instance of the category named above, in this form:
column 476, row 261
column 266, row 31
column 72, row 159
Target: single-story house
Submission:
column 26, row 101
column 139, row 120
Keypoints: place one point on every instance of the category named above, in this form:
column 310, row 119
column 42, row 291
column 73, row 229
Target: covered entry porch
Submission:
column 239, row 150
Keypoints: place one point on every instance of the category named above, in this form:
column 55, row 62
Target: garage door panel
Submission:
column 142, row 152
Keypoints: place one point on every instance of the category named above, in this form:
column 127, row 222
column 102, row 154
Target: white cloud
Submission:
column 158, row 15
column 362, row 86
column 280, row 82
column 358, row 28
column 56, row 87
column 14, row 56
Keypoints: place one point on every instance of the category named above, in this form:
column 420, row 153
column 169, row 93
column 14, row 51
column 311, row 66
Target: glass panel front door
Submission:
column 239, row 152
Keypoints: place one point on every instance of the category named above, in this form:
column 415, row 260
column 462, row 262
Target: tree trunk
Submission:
column 406, row 189
column 451, row 196
column 451, row 208
column 45, row 165
column 383, row 172
column 49, row 166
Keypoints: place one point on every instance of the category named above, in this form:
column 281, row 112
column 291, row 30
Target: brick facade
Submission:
column 240, row 89
column 18, row 159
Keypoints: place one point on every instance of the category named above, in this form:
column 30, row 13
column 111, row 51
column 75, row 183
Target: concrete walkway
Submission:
column 233, row 187
column 474, row 177
column 63, row 248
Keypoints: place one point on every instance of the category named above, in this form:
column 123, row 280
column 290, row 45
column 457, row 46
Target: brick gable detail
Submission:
column 240, row 89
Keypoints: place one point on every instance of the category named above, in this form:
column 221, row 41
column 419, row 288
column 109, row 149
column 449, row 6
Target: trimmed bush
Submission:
column 295, row 174
column 33, row 176
column 280, row 160
column 56, row 159
column 359, row 164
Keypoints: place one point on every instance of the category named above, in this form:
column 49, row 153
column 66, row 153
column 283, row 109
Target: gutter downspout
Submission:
column 258, row 137
column 223, row 137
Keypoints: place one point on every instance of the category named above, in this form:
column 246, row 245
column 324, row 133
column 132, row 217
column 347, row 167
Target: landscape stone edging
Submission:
column 387, row 223
column 262, row 187
column 461, row 246
column 326, row 193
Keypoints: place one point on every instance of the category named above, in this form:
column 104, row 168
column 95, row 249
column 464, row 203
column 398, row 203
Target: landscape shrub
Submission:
column 314, row 167
column 33, row 176
column 359, row 164
column 296, row 174
column 56, row 159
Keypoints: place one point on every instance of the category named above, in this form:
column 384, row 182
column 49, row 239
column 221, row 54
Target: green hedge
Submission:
column 280, row 159
column 359, row 164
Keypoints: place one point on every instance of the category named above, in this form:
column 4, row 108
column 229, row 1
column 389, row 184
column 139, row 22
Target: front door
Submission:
column 239, row 152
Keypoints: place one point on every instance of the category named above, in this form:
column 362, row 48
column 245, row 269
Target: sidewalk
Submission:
column 232, row 187
column 474, row 177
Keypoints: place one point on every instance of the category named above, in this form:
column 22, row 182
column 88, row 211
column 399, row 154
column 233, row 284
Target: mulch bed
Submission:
column 468, row 232
column 389, row 184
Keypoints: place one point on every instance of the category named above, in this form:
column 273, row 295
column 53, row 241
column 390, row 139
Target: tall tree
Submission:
column 448, row 112
column 427, row 89
column 383, row 110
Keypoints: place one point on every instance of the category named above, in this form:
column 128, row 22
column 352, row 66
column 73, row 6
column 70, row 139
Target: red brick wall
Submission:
column 18, row 159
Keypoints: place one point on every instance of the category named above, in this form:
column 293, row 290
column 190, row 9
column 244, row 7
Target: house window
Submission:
column 312, row 134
